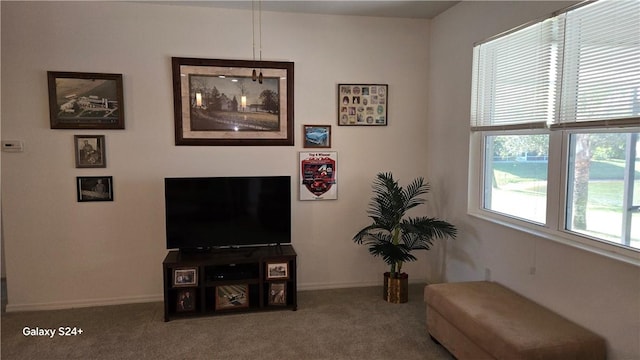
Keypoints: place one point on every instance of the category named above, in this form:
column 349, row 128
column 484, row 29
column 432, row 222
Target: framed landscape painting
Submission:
column 219, row 102
column 85, row 100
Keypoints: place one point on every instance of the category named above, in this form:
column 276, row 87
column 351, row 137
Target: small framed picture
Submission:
column 232, row 296
column 95, row 188
column 362, row 104
column 278, row 293
column 186, row 300
column 317, row 136
column 185, row 277
column 85, row 100
column 279, row 270
column 90, row 151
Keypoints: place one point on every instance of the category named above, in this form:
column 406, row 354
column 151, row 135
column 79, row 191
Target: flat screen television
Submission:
column 219, row 212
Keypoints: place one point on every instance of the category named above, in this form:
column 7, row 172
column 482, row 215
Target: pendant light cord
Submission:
column 260, row 26
column 253, row 28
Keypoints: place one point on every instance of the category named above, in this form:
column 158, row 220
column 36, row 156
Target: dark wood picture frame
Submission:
column 94, row 188
column 234, row 296
column 363, row 104
column 316, row 136
column 90, row 151
column 85, row 100
column 217, row 102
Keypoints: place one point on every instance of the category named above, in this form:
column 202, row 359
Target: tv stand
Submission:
column 223, row 281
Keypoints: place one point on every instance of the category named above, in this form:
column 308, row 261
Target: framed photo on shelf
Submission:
column 90, row 151
column 232, row 296
column 317, row 136
column 85, row 100
column 362, row 104
column 278, row 270
column 278, row 293
column 186, row 300
column 185, row 277
column 94, row 188
column 318, row 175
column 219, row 102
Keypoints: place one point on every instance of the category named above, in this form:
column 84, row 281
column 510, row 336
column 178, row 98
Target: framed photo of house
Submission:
column 278, row 293
column 94, row 188
column 232, row 296
column 220, row 102
column 317, row 136
column 186, row 300
column 278, row 270
column 318, row 175
column 85, row 100
column 185, row 277
column 362, row 104
column 90, row 151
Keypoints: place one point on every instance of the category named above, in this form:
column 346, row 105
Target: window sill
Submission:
column 601, row 248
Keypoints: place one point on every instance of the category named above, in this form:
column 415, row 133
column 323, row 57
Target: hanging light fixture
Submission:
column 255, row 77
column 260, row 26
column 253, row 36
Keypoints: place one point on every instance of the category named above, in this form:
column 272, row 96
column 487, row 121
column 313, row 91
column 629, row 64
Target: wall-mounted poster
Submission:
column 318, row 175
column 362, row 104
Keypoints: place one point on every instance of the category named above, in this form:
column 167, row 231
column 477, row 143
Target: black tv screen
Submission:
column 218, row 212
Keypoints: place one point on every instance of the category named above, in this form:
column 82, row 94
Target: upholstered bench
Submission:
column 485, row 320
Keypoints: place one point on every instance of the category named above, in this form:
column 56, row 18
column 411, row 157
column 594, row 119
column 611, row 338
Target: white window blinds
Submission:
column 581, row 66
column 601, row 72
column 516, row 77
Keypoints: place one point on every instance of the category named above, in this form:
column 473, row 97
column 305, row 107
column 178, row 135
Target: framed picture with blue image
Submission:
column 317, row 136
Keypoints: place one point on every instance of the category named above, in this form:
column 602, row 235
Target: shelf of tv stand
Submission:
column 238, row 273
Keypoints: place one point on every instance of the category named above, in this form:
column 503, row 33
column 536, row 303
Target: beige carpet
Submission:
column 329, row 324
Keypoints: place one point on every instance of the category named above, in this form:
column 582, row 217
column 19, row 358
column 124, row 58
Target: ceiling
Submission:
column 416, row 9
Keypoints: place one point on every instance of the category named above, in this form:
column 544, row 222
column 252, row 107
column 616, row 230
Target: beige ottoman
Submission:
column 485, row 320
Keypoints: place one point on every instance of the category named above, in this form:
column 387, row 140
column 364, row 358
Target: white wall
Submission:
column 61, row 253
column 597, row 292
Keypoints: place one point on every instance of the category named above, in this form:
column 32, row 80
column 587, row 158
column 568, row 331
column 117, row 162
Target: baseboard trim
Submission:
column 329, row 286
column 61, row 305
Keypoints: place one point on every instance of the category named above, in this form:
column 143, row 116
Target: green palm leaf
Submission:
column 392, row 236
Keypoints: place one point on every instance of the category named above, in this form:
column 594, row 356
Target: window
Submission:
column 604, row 187
column 555, row 115
column 515, row 182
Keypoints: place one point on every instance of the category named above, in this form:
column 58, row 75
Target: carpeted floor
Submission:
column 329, row 324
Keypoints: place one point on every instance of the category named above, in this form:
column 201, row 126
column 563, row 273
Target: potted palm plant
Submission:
column 393, row 235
